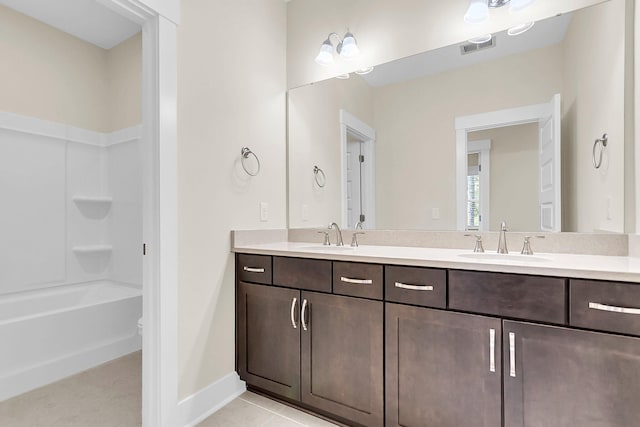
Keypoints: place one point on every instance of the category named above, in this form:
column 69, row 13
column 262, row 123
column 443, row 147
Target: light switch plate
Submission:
column 264, row 211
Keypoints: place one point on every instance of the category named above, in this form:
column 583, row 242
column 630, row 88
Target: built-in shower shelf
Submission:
column 92, row 249
column 93, row 199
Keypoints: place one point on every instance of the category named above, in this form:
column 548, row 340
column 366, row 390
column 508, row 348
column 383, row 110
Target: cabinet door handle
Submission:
column 414, row 287
column 492, row 350
column 253, row 270
column 613, row 308
column 512, row 354
column 293, row 313
column 303, row 314
column 356, row 281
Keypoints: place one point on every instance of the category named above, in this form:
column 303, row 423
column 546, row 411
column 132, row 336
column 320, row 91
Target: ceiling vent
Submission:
column 468, row 48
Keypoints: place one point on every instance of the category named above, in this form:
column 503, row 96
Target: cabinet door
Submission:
column 442, row 368
column 561, row 377
column 342, row 357
column 268, row 338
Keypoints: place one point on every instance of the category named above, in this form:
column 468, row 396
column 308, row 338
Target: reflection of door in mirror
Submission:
column 525, row 147
column 358, row 182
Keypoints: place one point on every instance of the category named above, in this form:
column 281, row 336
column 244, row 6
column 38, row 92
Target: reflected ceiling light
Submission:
column 347, row 48
column 520, row 29
column 477, row 12
column 481, row 39
column 363, row 71
column 343, row 76
column 518, row 5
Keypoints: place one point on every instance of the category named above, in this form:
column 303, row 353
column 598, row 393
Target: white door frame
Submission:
column 483, row 121
column 368, row 135
column 159, row 209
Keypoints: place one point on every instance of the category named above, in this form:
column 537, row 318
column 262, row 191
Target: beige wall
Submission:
column 594, row 103
column 51, row 75
column 314, row 139
column 514, row 176
column 388, row 30
column 415, row 129
column 231, row 93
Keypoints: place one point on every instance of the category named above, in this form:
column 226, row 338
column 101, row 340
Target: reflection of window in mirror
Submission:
column 473, row 192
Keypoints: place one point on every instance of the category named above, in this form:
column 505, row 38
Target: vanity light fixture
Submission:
column 520, row 29
column 347, row 48
column 478, row 11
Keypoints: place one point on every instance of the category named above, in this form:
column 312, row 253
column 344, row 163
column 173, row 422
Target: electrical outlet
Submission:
column 305, row 213
column 264, row 211
column 435, row 213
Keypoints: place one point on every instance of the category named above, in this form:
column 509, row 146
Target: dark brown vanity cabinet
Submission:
column 321, row 349
column 442, row 368
column 268, row 338
column 555, row 376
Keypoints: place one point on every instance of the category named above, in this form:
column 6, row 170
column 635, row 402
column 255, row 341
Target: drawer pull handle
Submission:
column 356, row 281
column 414, row 287
column 293, row 313
column 613, row 308
column 492, row 350
column 303, row 314
column 512, row 354
column 253, row 270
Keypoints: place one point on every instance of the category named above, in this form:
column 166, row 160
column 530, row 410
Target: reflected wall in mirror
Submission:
column 411, row 105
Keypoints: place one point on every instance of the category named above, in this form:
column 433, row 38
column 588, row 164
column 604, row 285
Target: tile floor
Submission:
column 253, row 410
column 110, row 395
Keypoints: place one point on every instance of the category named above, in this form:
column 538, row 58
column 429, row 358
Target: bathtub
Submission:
column 47, row 335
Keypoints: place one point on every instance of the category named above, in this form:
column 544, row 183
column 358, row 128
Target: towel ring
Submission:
column 602, row 142
column 245, row 153
column 317, row 171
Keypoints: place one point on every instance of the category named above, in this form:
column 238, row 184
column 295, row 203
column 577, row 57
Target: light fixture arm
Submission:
column 339, row 45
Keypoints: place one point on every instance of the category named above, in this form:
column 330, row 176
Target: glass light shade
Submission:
column 325, row 57
column 518, row 5
column 477, row 13
column 481, row 39
column 349, row 48
column 520, row 29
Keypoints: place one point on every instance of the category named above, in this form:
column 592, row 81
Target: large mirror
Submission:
column 469, row 135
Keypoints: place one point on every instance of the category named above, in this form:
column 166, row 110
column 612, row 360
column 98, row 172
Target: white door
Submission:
column 354, row 182
column 550, row 178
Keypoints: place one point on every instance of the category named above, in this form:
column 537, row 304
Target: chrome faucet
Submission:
column 338, row 234
column 502, row 240
column 359, row 225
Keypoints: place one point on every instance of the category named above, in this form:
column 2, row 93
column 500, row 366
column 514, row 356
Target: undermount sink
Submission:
column 504, row 257
column 331, row 248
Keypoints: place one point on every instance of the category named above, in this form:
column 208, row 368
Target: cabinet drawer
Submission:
column 357, row 279
column 509, row 295
column 415, row 285
column 254, row 268
column 607, row 306
column 302, row 273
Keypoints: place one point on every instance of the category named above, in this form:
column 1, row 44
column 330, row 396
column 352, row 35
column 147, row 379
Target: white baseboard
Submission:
column 17, row 383
column 195, row 408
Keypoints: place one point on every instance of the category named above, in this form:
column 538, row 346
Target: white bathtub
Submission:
column 49, row 334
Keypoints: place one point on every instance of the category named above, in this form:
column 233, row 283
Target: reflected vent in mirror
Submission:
column 468, row 48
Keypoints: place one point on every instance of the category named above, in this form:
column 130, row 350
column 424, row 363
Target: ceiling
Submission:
column 544, row 33
column 85, row 19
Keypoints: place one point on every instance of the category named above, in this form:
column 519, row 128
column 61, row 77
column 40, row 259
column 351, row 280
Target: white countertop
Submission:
column 545, row 264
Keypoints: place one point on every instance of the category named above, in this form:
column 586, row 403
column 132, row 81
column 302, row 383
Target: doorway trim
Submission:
column 482, row 121
column 483, row 149
column 350, row 123
column 159, row 210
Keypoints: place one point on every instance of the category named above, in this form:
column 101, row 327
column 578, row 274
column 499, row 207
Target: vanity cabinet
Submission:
column 379, row 345
column 555, row 376
column 321, row 349
column 442, row 368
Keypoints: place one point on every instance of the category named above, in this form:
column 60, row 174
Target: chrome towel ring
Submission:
column 244, row 155
column 602, row 142
column 320, row 181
